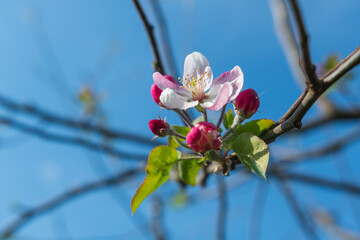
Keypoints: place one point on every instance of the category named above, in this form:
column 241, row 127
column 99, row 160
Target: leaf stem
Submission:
column 181, row 143
column 205, row 115
column 184, row 118
column 222, row 114
column 175, row 134
column 237, row 120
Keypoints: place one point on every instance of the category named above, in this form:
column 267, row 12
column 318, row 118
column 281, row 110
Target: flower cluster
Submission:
column 198, row 89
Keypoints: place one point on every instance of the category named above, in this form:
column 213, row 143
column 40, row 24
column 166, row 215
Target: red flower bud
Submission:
column 159, row 127
column 156, row 91
column 247, row 103
column 203, row 136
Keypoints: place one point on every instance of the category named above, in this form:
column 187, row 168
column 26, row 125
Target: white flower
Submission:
column 198, row 86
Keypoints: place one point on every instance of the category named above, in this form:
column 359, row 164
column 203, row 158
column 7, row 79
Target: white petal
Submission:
column 207, row 78
column 195, row 64
column 219, row 96
column 172, row 100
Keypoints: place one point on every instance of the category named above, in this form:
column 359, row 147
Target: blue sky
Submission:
column 50, row 50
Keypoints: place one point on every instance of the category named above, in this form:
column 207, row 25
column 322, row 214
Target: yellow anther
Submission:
column 179, row 78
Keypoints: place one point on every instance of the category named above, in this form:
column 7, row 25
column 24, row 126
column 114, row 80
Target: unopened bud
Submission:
column 247, row 103
column 159, row 127
column 203, row 137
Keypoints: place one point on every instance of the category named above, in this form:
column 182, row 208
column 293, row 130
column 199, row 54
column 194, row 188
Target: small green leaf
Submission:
column 252, row 152
column 157, row 171
column 198, row 119
column 212, row 156
column 179, row 129
column 256, row 127
column 188, row 169
column 228, row 119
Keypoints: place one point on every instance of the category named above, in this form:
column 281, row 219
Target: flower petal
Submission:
column 197, row 64
column 162, row 82
column 235, row 77
column 208, row 77
column 218, row 96
column 172, row 100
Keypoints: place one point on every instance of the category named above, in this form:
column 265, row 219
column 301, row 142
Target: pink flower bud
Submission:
column 247, row 103
column 156, row 91
column 159, row 127
column 203, row 136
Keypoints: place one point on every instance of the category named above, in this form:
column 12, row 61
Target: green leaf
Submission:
column 198, row 119
column 252, row 152
column 179, row 129
column 157, row 171
column 228, row 119
column 256, row 127
column 188, row 169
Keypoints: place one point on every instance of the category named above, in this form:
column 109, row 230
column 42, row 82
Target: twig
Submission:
column 71, row 123
column 164, row 36
column 342, row 68
column 285, row 33
column 99, row 147
column 237, row 120
column 222, row 114
column 328, row 148
column 184, row 118
column 292, row 108
column 337, row 115
column 312, row 81
column 257, row 211
column 63, row 198
column 149, row 30
column 317, row 181
column 294, row 204
column 204, row 112
column 223, row 209
column 157, row 222
column 295, row 120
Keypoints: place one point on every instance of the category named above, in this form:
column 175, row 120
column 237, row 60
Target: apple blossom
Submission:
column 203, row 136
column 198, row 87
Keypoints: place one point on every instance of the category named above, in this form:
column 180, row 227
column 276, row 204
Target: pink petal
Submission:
column 162, row 82
column 235, row 77
column 219, row 96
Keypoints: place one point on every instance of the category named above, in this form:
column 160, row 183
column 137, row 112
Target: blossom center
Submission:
column 196, row 86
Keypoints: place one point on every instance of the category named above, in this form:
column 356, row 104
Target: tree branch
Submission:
column 74, row 124
column 337, row 115
column 99, row 147
column 312, row 81
column 316, row 181
column 328, row 148
column 221, row 219
column 330, row 78
column 63, row 198
column 149, row 30
column 301, row 217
